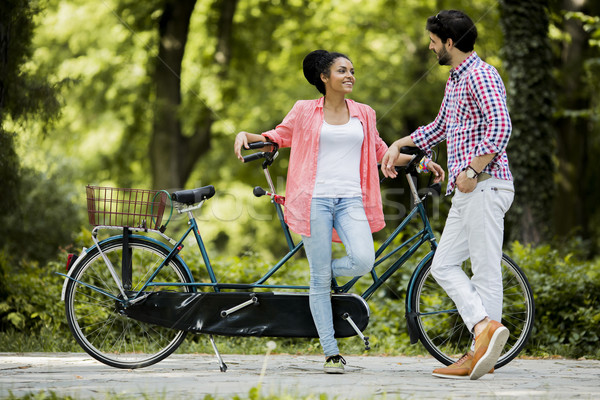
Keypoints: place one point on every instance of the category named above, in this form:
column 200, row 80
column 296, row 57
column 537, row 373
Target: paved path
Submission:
column 370, row 377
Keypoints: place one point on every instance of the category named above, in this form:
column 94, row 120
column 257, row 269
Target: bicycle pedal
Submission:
column 367, row 346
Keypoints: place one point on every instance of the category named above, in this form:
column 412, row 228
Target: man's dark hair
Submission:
column 455, row 25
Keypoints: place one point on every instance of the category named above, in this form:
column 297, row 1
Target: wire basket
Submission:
column 127, row 208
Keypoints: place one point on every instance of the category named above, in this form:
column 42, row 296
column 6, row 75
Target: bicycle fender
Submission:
column 413, row 278
column 410, row 314
column 85, row 251
column 70, row 272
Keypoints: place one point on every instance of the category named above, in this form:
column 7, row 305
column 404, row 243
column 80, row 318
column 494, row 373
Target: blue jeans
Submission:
column 347, row 216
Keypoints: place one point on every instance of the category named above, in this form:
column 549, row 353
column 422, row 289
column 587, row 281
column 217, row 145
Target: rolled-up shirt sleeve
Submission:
column 428, row 136
column 283, row 133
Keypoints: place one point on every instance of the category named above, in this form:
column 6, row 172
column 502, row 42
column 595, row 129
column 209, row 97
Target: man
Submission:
column 474, row 121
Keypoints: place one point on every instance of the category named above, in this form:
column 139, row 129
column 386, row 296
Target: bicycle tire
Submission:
column 93, row 317
column 441, row 329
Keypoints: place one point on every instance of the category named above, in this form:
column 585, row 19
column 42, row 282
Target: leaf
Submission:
column 17, row 319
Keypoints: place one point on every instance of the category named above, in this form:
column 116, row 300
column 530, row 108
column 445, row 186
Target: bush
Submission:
column 43, row 219
column 32, row 316
column 567, row 298
column 566, row 290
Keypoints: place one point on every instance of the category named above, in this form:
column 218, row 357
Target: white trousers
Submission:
column 474, row 229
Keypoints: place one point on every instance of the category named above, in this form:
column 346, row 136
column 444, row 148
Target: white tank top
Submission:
column 338, row 165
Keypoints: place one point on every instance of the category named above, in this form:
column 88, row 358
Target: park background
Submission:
column 150, row 94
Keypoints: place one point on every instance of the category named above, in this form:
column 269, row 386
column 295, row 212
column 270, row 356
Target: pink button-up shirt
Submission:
column 301, row 130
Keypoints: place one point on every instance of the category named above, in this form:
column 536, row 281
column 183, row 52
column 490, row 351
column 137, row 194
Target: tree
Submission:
column 173, row 155
column 22, row 95
column 576, row 120
column 247, row 79
column 14, row 50
column 527, row 59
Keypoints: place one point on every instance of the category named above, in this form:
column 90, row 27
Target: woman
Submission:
column 332, row 189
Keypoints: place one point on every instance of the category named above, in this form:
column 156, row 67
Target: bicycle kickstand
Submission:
column 365, row 339
column 222, row 364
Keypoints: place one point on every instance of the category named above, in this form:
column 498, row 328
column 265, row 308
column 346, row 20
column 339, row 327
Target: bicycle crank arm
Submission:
column 252, row 301
column 365, row 339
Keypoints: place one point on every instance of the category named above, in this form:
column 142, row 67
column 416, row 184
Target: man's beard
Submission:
column 443, row 57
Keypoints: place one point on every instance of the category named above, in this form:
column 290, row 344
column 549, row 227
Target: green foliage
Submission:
column 31, row 313
column 9, row 172
column 23, row 93
column 100, row 58
column 44, row 218
column 105, row 53
column 566, row 290
column 567, row 299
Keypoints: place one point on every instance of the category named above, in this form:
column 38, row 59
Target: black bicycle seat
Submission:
column 193, row 196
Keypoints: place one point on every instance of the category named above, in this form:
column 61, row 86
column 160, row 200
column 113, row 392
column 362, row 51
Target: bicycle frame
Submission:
column 425, row 234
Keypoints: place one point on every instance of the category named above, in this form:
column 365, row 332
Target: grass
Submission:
column 253, row 394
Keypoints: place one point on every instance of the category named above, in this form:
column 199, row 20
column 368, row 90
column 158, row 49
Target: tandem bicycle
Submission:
column 131, row 299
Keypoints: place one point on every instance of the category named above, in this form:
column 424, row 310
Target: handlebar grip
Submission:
column 418, row 154
column 255, row 156
column 258, row 145
column 411, row 150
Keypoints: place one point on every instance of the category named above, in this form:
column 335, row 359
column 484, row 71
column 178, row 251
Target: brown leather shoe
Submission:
column 488, row 346
column 458, row 370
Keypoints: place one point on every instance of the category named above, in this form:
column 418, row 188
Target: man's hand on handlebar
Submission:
column 393, row 157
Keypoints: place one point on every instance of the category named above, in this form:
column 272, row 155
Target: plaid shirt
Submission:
column 473, row 119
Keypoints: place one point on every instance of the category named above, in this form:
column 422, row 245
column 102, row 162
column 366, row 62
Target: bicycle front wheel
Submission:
column 441, row 329
column 94, row 319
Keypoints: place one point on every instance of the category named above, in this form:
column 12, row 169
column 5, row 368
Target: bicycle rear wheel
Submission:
column 94, row 319
column 441, row 329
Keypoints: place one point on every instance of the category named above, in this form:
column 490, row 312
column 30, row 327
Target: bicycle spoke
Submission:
column 442, row 330
column 94, row 317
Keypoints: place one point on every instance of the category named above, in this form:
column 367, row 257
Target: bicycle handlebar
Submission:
column 418, row 154
column 268, row 155
column 258, row 145
column 254, row 157
column 411, row 169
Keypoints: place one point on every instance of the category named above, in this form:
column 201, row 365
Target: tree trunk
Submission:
column 4, row 33
column 11, row 50
column 530, row 90
column 165, row 147
column 172, row 154
column 573, row 130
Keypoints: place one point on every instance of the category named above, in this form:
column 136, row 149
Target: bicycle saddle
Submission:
column 193, row 196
